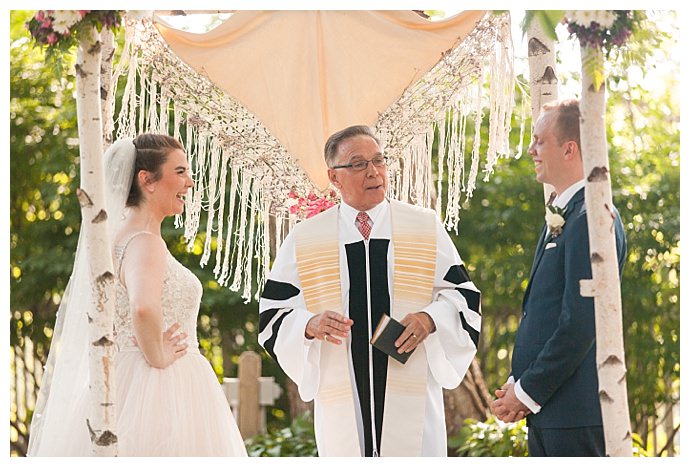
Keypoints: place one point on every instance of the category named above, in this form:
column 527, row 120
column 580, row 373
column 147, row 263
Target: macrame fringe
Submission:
column 465, row 77
column 242, row 174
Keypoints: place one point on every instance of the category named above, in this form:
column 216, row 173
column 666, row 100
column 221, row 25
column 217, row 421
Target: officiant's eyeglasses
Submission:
column 358, row 166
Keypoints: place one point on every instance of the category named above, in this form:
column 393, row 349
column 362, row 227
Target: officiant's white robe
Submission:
column 447, row 353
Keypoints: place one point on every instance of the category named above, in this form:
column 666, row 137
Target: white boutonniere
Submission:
column 555, row 220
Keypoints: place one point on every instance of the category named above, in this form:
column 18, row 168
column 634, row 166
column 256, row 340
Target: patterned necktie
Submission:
column 364, row 227
column 552, row 198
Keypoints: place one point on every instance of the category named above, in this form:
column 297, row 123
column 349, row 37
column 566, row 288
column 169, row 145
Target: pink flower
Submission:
column 319, row 205
column 39, row 15
column 47, row 22
column 84, row 12
column 311, row 204
column 52, row 38
column 312, row 211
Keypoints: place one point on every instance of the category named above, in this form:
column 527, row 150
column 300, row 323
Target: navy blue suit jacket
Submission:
column 554, row 353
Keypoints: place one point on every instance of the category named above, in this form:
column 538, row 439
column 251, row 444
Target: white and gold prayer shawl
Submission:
column 318, row 264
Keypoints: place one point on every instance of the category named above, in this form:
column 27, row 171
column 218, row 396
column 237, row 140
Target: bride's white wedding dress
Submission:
column 179, row 410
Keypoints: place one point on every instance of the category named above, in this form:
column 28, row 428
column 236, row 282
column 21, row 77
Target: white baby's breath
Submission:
column 64, row 20
column 604, row 18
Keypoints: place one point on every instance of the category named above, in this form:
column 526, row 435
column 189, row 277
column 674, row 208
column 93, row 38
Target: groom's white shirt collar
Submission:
column 564, row 198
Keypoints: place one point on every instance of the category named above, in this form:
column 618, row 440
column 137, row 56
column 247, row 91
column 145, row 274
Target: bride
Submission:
column 168, row 400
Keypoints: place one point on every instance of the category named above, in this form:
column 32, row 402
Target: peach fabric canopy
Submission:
column 308, row 74
column 254, row 100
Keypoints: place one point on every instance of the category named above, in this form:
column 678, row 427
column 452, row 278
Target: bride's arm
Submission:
column 143, row 271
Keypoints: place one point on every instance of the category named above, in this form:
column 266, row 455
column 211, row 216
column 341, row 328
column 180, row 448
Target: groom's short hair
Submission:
column 567, row 120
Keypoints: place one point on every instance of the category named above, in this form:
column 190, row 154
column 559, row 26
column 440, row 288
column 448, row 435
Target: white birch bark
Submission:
column 107, row 86
column 605, row 283
column 101, row 418
column 543, row 82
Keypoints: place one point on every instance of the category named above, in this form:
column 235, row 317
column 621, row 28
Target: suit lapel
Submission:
column 577, row 198
column 537, row 256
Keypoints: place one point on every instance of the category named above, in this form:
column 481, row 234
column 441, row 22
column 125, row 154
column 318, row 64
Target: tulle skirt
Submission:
column 177, row 411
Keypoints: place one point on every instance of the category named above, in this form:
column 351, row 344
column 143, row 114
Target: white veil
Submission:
column 58, row 426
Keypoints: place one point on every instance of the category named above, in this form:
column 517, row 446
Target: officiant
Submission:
column 334, row 277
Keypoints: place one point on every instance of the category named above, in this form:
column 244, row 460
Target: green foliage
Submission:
column 639, row 446
column 593, row 66
column 491, row 438
column 50, row 30
column 549, row 19
column 297, row 440
column 645, row 163
column 496, row 240
column 494, row 438
column 647, row 41
column 44, row 212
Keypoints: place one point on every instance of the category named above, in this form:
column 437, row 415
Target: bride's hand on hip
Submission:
column 174, row 346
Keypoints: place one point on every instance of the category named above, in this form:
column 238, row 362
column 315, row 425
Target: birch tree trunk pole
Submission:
column 605, row 283
column 101, row 418
column 543, row 82
column 107, row 93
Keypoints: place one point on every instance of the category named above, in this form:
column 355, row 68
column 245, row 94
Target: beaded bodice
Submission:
column 180, row 300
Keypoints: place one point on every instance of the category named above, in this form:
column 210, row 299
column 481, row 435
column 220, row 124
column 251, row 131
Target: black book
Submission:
column 385, row 335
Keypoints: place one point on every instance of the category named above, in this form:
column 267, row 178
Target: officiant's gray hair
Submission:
column 330, row 150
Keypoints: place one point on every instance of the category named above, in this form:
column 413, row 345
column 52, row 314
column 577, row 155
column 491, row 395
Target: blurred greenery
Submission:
column 493, row 438
column 496, row 235
column 296, row 440
column 490, row 438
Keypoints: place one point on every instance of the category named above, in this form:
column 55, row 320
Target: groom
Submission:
column 554, row 376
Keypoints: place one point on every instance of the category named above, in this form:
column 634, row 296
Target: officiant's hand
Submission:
column 417, row 327
column 328, row 326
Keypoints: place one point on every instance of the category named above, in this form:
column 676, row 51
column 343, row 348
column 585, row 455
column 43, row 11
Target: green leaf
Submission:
column 548, row 19
column 593, row 66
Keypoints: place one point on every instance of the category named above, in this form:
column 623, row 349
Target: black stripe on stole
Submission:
column 265, row 317
column 360, row 347
column 473, row 333
column 472, row 298
column 271, row 342
column 276, row 290
column 457, row 275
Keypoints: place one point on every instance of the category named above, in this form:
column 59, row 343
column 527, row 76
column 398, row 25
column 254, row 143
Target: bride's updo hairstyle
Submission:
column 152, row 152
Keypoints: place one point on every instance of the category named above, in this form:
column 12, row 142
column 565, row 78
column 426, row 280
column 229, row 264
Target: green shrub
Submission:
column 490, row 438
column 498, row 439
column 297, row 440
